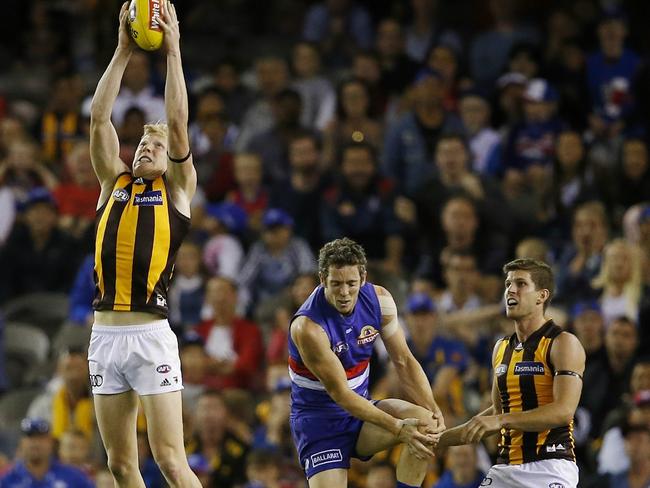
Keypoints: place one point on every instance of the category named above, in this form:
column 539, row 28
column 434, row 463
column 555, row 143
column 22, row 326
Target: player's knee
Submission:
column 121, row 468
column 170, row 466
column 421, row 413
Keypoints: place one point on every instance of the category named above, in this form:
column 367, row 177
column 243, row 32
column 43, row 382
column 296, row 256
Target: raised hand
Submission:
column 169, row 24
column 124, row 39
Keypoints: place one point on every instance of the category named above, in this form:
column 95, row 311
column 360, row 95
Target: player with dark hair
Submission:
column 535, row 392
column 143, row 214
column 330, row 344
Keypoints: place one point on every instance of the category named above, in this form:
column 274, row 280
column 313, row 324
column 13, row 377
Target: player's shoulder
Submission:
column 380, row 290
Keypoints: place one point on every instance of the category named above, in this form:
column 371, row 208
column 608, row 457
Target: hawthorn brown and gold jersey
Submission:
column 524, row 376
column 137, row 234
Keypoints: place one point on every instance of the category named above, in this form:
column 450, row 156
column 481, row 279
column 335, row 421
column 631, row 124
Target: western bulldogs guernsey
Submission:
column 351, row 338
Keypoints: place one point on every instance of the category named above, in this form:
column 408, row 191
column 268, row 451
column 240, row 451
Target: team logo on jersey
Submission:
column 368, row 335
column 555, row 448
column 528, row 368
column 325, row 457
column 340, row 347
column 121, row 195
column 500, row 369
column 148, row 198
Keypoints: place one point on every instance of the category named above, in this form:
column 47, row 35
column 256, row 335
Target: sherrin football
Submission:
column 144, row 16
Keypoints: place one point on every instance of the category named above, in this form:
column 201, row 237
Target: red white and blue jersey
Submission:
column 351, row 338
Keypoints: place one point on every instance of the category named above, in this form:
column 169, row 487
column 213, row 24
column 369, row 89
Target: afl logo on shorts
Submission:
column 164, row 368
column 368, row 335
column 96, row 380
column 556, row 485
column 121, row 195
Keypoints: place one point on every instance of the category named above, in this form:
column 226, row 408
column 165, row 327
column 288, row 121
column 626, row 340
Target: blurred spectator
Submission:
column 483, row 140
column 410, row 141
column 35, row 466
column 75, row 450
column 443, row 359
column 637, row 447
column 455, row 177
column 193, row 363
column 619, row 284
column 633, row 175
column 533, row 247
column 211, row 138
column 272, row 75
column 462, row 468
column 237, row 97
column 367, row 68
column 68, row 406
column 610, row 73
column 21, row 170
column 361, row 206
column 130, row 133
column 279, row 313
column 213, row 448
column 274, row 431
column 574, row 183
column 250, row 194
column 272, row 144
column 509, row 103
column 381, row 475
column 589, row 327
column 263, row 469
column 489, row 50
column 427, row 30
column 304, row 186
column 151, row 474
column 233, row 344
column 137, row 90
column 187, row 288
column 525, row 58
column 62, row 123
column 37, row 255
column 82, row 294
column 397, row 69
column 77, row 196
column 339, row 27
column 462, row 278
column 580, row 261
column 223, row 254
column 445, row 60
column 274, row 260
column 354, row 121
column 316, row 91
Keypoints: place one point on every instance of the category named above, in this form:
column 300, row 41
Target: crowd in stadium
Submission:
column 446, row 138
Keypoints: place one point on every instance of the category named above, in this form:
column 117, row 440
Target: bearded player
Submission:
column 537, row 384
column 330, row 343
column 143, row 214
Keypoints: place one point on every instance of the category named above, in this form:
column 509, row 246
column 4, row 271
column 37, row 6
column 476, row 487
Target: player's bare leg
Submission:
column 117, row 417
column 165, row 430
column 334, row 478
column 372, row 439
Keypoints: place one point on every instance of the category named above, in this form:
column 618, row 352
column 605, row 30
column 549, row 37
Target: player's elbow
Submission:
column 563, row 414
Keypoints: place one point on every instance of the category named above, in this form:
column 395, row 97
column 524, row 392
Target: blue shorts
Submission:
column 326, row 443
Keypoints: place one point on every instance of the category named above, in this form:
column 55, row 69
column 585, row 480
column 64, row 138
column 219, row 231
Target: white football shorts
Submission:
column 547, row 473
column 143, row 358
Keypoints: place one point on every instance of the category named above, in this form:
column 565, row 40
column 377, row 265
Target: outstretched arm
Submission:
column 411, row 375
column 104, row 144
column 181, row 174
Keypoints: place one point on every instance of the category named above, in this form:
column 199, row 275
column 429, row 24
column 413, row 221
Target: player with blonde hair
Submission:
column 143, row 214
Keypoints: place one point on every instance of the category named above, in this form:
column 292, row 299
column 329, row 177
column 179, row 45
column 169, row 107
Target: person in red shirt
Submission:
column 233, row 344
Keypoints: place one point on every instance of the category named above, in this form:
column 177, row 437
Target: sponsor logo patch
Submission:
column 164, row 368
column 325, row 457
column 486, row 481
column 121, row 195
column 529, row 368
column 165, row 382
column 96, row 380
column 148, row 198
column 368, row 335
column 500, row 369
column 555, row 448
